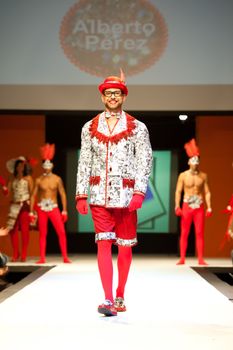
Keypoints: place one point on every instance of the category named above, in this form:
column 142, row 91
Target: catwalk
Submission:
column 169, row 307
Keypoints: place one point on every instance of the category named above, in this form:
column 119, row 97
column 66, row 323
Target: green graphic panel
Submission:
column 154, row 215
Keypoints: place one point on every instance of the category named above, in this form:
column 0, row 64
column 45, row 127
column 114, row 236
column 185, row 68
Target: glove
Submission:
column 136, row 202
column 178, row 211
column 4, row 187
column 32, row 218
column 2, row 181
column 82, row 206
column 64, row 216
column 228, row 210
column 208, row 213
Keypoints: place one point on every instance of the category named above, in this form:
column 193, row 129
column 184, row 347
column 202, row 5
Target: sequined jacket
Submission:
column 113, row 165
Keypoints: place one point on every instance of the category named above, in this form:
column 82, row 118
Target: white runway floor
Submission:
column 169, row 307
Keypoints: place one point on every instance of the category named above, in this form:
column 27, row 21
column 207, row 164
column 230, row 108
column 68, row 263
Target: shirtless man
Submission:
column 46, row 190
column 193, row 183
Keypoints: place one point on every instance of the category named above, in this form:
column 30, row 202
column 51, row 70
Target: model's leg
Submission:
column 186, row 221
column 15, row 242
column 199, row 222
column 42, row 225
column 104, row 258
column 123, row 263
column 24, row 225
column 55, row 217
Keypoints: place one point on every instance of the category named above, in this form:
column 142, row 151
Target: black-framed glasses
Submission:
column 116, row 93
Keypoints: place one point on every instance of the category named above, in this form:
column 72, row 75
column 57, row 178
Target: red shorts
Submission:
column 116, row 225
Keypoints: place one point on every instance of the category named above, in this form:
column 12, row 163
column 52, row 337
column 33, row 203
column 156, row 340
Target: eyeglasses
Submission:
column 117, row 93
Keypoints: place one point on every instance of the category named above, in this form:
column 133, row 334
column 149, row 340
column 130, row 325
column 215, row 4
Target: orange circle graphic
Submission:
column 101, row 36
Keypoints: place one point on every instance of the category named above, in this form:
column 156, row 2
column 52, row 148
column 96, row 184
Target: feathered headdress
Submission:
column 192, row 151
column 47, row 153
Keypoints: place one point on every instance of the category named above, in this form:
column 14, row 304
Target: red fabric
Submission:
column 128, row 183
column 104, row 258
column 208, row 213
column 231, row 202
column 121, row 221
column 114, row 138
column 82, row 206
column 94, row 180
column 178, row 212
column 2, row 181
column 136, row 202
column 197, row 216
column 55, row 217
column 32, row 218
column 4, row 187
column 22, row 223
column 123, row 263
column 64, row 216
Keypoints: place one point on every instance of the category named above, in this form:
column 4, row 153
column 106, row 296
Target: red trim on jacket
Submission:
column 115, row 138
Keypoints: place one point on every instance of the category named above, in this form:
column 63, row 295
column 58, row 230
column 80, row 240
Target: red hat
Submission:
column 114, row 82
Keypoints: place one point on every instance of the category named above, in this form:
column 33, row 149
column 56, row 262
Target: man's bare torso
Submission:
column 193, row 184
column 48, row 187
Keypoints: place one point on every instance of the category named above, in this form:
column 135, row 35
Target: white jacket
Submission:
column 114, row 165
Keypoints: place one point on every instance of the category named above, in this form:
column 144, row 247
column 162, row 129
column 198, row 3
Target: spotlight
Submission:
column 183, row 117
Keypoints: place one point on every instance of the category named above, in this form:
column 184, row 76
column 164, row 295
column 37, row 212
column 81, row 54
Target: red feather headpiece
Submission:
column 47, row 151
column 192, row 149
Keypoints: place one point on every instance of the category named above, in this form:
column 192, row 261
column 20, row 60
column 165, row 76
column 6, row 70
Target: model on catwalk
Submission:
column 115, row 164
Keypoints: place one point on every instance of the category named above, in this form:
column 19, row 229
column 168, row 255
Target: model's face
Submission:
column 194, row 167
column 113, row 99
column 20, row 167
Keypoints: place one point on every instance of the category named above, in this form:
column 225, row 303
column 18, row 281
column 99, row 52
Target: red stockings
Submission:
column 105, row 266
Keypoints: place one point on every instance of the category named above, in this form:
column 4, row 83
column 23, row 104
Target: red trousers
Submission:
column 22, row 223
column 197, row 216
column 55, row 217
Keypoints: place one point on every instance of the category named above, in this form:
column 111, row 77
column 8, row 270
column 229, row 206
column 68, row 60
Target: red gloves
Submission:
column 64, row 216
column 82, row 206
column 208, row 213
column 4, row 187
column 32, row 218
column 136, row 202
column 178, row 211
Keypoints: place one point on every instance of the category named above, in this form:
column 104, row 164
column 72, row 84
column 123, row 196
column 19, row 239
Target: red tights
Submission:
column 22, row 223
column 55, row 217
column 197, row 216
column 105, row 265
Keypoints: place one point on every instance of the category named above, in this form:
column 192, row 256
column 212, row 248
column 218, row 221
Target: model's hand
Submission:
column 4, row 231
column 64, row 216
column 4, row 187
column 136, row 202
column 32, row 218
column 178, row 211
column 228, row 210
column 208, row 213
column 82, row 206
